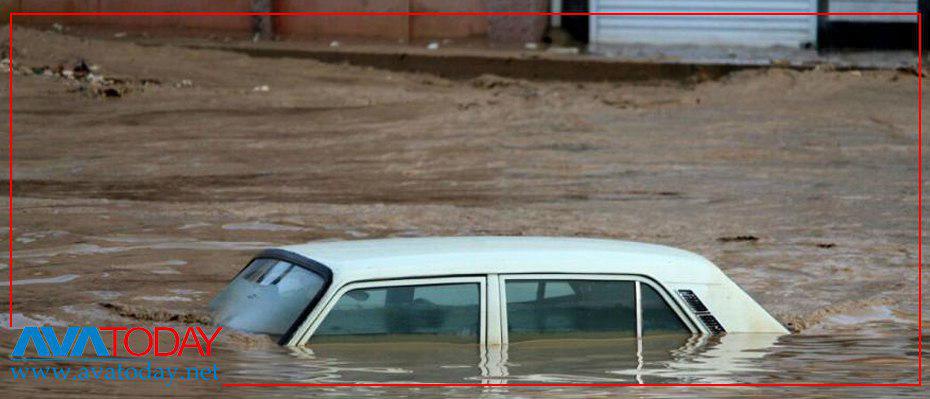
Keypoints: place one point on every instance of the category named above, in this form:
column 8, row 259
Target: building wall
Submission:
column 517, row 29
column 241, row 24
column 393, row 28
column 428, row 27
column 326, row 27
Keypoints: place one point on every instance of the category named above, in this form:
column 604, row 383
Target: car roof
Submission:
column 675, row 269
column 443, row 256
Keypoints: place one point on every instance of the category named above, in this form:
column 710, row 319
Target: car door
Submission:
column 535, row 307
column 448, row 309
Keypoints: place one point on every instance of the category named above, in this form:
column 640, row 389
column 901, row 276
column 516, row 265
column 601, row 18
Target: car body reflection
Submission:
column 659, row 359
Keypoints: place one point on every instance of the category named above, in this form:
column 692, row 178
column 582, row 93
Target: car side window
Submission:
column 658, row 316
column 439, row 313
column 570, row 309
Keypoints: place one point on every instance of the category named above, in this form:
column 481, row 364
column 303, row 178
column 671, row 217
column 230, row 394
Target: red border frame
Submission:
column 919, row 382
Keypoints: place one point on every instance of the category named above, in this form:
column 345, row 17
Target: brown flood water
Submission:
column 136, row 210
column 735, row 358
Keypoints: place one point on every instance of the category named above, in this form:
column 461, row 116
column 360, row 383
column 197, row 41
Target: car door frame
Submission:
column 500, row 280
column 313, row 320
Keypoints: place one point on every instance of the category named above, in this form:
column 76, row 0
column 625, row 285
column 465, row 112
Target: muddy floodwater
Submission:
column 146, row 176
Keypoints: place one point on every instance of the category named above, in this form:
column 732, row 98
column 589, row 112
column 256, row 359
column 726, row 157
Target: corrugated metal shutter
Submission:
column 793, row 31
column 873, row 6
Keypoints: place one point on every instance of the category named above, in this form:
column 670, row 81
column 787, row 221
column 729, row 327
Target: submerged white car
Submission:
column 484, row 290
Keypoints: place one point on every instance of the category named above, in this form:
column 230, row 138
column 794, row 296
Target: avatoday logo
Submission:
column 77, row 339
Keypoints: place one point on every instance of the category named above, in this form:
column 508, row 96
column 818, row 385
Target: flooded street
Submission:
column 136, row 206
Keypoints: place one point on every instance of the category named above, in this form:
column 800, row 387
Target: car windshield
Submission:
column 266, row 297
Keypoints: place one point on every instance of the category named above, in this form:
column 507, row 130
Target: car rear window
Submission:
column 570, row 309
column 658, row 316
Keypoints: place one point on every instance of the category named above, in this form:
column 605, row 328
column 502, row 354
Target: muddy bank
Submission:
column 468, row 67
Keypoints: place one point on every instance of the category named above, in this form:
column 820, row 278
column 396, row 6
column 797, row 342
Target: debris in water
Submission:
column 260, row 226
column 89, row 80
column 163, row 298
column 826, row 245
column 433, row 46
column 261, row 88
column 110, row 92
column 158, row 315
column 334, row 43
column 81, row 70
column 742, row 238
